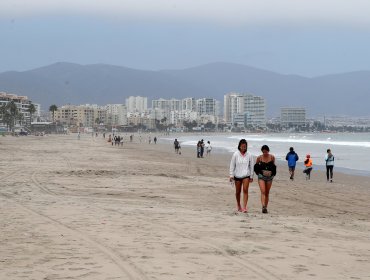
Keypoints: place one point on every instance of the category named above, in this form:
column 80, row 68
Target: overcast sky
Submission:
column 305, row 37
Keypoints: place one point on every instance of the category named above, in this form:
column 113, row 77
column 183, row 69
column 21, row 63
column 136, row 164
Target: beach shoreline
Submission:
column 84, row 209
column 344, row 164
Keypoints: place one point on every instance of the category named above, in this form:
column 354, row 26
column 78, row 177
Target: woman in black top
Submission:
column 265, row 168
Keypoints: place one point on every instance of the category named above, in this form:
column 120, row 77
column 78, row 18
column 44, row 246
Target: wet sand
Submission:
column 82, row 209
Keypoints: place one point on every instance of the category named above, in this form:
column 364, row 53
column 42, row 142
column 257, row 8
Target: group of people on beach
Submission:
column 243, row 167
column 201, row 147
column 116, row 140
column 292, row 158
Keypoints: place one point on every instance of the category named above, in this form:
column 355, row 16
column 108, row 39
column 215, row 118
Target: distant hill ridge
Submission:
column 62, row 83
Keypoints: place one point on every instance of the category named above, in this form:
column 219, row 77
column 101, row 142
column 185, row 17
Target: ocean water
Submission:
column 351, row 150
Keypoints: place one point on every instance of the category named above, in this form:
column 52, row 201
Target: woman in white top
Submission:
column 241, row 172
column 208, row 148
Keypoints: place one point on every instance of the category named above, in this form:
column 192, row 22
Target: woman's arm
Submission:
column 251, row 167
column 232, row 166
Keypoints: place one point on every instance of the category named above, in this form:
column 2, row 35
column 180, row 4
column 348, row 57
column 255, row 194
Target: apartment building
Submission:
column 189, row 104
column 255, row 110
column 233, row 104
column 207, row 106
column 91, row 115
column 22, row 103
column 178, row 117
column 246, row 110
column 292, row 116
column 116, row 114
column 73, row 115
column 164, row 107
column 136, row 104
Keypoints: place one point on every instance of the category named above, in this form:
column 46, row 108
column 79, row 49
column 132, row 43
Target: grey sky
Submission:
column 307, row 37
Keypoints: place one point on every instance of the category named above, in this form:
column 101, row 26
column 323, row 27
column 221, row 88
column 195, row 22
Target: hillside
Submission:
column 62, row 83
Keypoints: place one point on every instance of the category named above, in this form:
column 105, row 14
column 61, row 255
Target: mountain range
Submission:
column 68, row 83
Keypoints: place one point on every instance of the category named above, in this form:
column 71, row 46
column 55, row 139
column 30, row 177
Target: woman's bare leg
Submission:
column 238, row 189
column 245, row 192
column 265, row 187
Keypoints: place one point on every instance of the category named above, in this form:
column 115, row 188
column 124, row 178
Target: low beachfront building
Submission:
column 292, row 117
column 22, row 103
column 91, row 115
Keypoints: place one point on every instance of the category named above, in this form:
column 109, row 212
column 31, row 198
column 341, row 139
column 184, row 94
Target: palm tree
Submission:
column 97, row 123
column 52, row 109
column 2, row 111
column 4, row 115
column 13, row 113
column 31, row 110
column 10, row 114
column 164, row 120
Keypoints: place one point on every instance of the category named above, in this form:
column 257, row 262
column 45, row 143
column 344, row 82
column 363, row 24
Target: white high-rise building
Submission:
column 247, row 108
column 255, row 107
column 233, row 104
column 189, row 104
column 208, row 106
column 136, row 104
column 166, row 106
column 116, row 114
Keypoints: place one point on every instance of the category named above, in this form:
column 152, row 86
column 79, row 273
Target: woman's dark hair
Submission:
column 328, row 150
column 242, row 141
column 265, row 148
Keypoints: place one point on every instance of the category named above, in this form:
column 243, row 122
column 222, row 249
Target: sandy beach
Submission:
column 83, row 209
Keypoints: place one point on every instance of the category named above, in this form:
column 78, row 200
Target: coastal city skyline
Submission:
column 239, row 112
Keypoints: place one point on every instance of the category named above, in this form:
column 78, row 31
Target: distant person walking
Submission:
column 202, row 148
column 198, row 148
column 241, row 172
column 176, row 145
column 265, row 169
column 308, row 167
column 329, row 159
column 208, row 148
column 292, row 159
column 155, row 140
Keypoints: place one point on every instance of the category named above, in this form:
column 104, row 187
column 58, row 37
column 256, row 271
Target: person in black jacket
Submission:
column 265, row 169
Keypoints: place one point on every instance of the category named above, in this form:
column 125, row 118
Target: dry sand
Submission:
column 82, row 209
